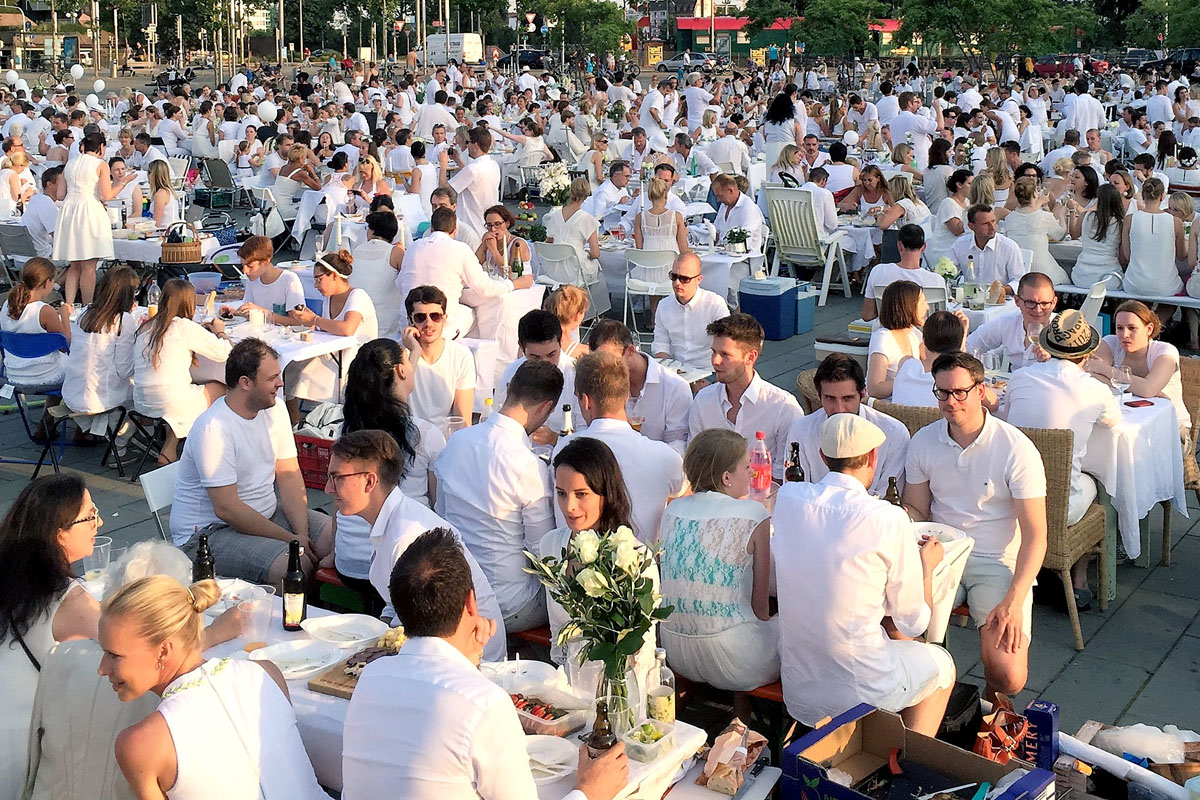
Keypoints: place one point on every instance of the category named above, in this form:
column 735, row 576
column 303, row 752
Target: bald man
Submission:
column 681, row 320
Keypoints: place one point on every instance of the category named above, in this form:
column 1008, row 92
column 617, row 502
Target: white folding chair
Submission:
column 727, row 168
column 647, row 274
column 159, row 488
column 558, row 264
column 798, row 241
column 268, row 221
column 1027, row 258
column 179, row 167
column 16, row 247
column 936, row 298
column 1095, row 299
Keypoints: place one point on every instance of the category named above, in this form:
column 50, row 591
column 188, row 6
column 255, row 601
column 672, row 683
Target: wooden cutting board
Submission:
column 334, row 681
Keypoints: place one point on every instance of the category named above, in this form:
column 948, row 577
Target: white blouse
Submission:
column 99, row 369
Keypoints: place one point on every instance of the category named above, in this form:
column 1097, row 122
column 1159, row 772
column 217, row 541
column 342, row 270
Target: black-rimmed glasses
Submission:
column 959, row 394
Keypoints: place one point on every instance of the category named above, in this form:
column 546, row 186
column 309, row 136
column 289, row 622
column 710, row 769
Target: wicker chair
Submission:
column 1066, row 544
column 913, row 417
column 809, row 397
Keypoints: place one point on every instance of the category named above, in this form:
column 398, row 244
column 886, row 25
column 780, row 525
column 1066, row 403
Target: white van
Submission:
column 465, row 48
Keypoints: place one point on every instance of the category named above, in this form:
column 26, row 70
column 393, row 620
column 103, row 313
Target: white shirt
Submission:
column 226, row 449
column 478, row 187
column 823, row 207
column 1059, row 394
column 98, row 374
column 681, row 332
column 886, row 109
column 1008, row 332
column 884, row 275
column 664, row 402
column 280, row 296
column 998, row 260
column 653, row 472
column 566, row 365
column 603, row 199
column 744, row 214
column 765, row 407
column 704, row 164
column 653, row 100
column 40, row 219
column 732, row 150
column 435, row 384
column 807, row 432
column 698, row 99
column 850, row 560
column 1158, row 109
column 439, row 260
column 1047, row 164
column 864, row 118
column 973, row 489
column 497, row 494
column 921, row 129
column 473, row 747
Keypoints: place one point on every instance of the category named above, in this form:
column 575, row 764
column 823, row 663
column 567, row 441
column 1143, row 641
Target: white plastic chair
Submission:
column 647, row 274
column 179, row 167
column 159, row 488
column 1095, row 299
column 621, row 149
column 1027, row 258
column 515, row 171
column 936, row 298
column 558, row 264
column 267, row 221
column 798, row 240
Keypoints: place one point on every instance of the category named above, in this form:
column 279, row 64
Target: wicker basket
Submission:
column 181, row 252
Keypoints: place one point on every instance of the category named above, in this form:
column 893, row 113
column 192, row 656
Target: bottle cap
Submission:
column 760, row 435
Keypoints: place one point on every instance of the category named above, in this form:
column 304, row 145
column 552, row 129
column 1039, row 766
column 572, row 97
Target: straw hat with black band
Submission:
column 1069, row 336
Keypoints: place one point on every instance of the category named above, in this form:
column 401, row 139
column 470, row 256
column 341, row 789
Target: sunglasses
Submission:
column 419, row 317
column 685, row 279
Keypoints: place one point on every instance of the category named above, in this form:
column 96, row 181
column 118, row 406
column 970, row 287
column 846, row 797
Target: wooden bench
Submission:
column 337, row 595
column 1177, row 300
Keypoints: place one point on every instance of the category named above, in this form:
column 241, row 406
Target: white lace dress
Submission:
column 659, row 231
column 707, row 575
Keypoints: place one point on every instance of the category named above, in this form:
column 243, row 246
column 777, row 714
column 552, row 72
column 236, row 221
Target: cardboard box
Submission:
column 859, row 741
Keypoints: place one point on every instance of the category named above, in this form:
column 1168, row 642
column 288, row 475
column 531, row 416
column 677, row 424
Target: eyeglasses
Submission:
column 1041, row 305
column 684, row 279
column 337, row 477
column 419, row 317
column 491, row 226
column 95, row 515
column 959, row 394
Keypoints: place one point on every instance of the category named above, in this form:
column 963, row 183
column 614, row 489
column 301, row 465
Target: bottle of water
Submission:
column 760, row 468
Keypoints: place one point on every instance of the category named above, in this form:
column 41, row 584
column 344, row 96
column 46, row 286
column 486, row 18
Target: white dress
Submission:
column 8, row 205
column 943, row 238
column 84, row 229
column 891, row 345
column 577, row 232
column 20, row 684
column 166, row 390
column 99, row 371
column 317, row 378
column 659, row 231
column 1033, row 231
column 706, row 574
column 45, row 371
column 429, row 175
column 1151, row 271
column 287, row 191
column 1173, row 391
column 1098, row 260
column 235, row 736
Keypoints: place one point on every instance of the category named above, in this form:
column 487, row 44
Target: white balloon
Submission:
column 77, row 71
column 11, row 77
column 850, row 138
column 22, row 85
column 92, row 100
column 98, row 86
column 267, row 111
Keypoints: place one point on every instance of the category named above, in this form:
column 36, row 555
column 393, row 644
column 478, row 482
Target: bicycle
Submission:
column 50, row 78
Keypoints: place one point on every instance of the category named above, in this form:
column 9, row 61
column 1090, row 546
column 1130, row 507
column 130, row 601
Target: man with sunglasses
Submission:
column 681, row 321
column 981, row 475
column 443, row 370
column 1010, row 333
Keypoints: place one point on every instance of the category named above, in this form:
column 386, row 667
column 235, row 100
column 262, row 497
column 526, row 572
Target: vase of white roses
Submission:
column 736, row 239
column 948, row 270
column 555, row 184
column 603, row 582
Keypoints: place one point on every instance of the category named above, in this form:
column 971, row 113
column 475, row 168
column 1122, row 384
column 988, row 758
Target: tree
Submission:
column 1143, row 26
column 837, row 27
column 596, row 26
column 762, row 14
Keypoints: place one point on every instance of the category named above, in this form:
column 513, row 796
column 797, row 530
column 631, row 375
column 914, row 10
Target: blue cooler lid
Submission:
column 770, row 287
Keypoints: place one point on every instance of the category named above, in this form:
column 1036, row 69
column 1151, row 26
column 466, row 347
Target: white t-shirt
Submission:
column 40, row 219
column 435, row 383
column 885, row 274
column 887, row 342
column 225, row 449
column 279, row 297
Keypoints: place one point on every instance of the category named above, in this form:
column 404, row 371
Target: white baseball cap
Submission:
column 849, row 436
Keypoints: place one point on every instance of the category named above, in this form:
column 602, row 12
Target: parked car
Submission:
column 705, row 62
column 1054, row 66
column 1135, row 57
column 1097, row 62
column 1183, row 60
column 534, row 59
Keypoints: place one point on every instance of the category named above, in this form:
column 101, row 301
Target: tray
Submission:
column 334, row 681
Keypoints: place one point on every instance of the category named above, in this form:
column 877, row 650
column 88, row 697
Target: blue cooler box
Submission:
column 771, row 301
column 806, row 308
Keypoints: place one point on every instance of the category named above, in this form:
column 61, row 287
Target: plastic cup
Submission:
column 256, row 618
column 95, row 564
column 454, row 423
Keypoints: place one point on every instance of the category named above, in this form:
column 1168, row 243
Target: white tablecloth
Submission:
column 496, row 319
column 149, row 251
column 1116, row 456
column 859, row 245
column 290, row 349
column 987, row 313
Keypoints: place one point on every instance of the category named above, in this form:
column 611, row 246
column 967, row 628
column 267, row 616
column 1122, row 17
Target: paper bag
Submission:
column 733, row 751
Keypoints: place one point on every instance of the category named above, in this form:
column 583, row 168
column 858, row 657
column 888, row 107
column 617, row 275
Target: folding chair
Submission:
column 150, row 437
column 647, row 274
column 16, row 246
column 159, row 488
column 227, row 260
column 33, row 345
column 220, row 179
column 558, row 264
column 1093, row 303
column 798, row 240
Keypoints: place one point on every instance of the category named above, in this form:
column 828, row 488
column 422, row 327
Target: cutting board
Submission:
column 334, row 681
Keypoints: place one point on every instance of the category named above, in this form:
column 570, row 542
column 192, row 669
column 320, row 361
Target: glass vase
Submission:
column 618, row 686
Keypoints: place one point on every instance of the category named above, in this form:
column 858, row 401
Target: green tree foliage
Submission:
column 827, row 27
column 597, row 26
column 763, row 14
column 1143, row 26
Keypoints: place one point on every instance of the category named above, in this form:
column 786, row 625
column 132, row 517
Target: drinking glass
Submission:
column 620, row 716
column 991, row 363
column 1121, row 380
column 1033, row 333
column 632, row 413
column 95, row 564
column 256, row 617
column 454, row 423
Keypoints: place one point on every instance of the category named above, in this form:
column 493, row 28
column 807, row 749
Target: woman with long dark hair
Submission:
column 780, row 126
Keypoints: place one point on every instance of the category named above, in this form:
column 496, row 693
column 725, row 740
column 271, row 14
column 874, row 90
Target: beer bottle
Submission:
column 568, row 426
column 294, row 605
column 892, row 495
column 601, row 737
column 203, row 568
column 793, row 472
column 518, row 267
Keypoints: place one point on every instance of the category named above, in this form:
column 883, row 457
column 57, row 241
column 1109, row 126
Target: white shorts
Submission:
column 922, row 669
column 984, row 584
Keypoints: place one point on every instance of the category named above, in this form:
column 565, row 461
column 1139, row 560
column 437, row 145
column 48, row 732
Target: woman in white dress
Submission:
column 658, row 227
column 164, row 350
column 131, row 193
column 902, row 312
column 707, row 132
column 950, row 219
column 870, row 192
column 790, row 162
column 570, row 305
column 780, row 127
column 56, row 155
column 1100, row 229
column 25, row 311
column 906, row 209
column 1187, row 173
column 15, row 185
column 164, row 206
column 226, row 712
column 934, row 179
column 349, row 312
column 1151, row 241
column 529, row 145
column 293, row 179
column 722, row 632
column 84, row 230
column 205, row 133
column 592, row 160
column 592, row 496
column 423, row 177
column 1032, row 227
column 570, row 224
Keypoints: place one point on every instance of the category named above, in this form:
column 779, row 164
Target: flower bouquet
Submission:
column 555, row 183
column 602, row 581
column 616, row 113
column 946, row 268
column 737, row 238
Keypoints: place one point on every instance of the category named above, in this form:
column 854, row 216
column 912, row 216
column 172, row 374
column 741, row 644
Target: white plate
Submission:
column 299, row 659
column 233, row 591
column 344, row 630
column 551, row 757
column 944, row 533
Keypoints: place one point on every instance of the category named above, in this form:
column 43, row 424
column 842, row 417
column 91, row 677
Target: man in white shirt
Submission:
column 526, row 81
column 698, row 99
column 861, row 113
column 824, row 206
column 41, row 212
column 438, row 259
column 641, row 149
column 681, row 321
column 661, row 397
column 1158, row 106
column 352, row 148
column 737, row 210
column 997, row 257
column 1036, row 301
column 612, row 192
column 539, row 337
column 741, row 400
column 446, row 197
column 888, row 105
column 852, row 561
column 473, row 747
column 911, row 245
column 434, row 114
column 653, row 471
column 238, row 453
column 984, row 477
column 970, row 98
column 1070, row 145
column 683, row 154
column 729, row 149
column 652, row 116
column 814, row 156
column 842, row 387
column 355, row 120
column 914, row 128
column 147, row 153
column 1086, row 112
column 477, row 183
column 497, row 493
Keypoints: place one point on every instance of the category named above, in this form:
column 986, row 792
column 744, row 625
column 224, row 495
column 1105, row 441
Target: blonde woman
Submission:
column 790, row 162
column 983, row 192
column 902, row 159
column 16, row 185
column 1002, row 177
column 586, row 123
column 294, row 178
column 570, row 305
column 125, row 140
column 163, row 203
column 232, row 713
column 905, row 209
column 370, row 180
column 707, row 132
column 657, row 227
column 576, row 227
column 592, row 161
column 1058, row 183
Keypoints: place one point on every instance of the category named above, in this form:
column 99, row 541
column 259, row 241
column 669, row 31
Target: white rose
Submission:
column 592, row 582
column 587, row 546
column 627, row 556
column 622, row 535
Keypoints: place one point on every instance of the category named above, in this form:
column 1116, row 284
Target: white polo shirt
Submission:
column 998, row 260
column 885, row 274
column 765, row 407
column 806, row 431
column 973, row 489
column 681, row 330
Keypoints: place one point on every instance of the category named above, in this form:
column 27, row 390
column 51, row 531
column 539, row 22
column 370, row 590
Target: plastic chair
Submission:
column 159, row 488
column 1027, row 258
column 798, row 240
column 16, row 246
column 1093, row 303
column 32, row 345
column 936, row 298
column 227, row 260
column 558, row 264
column 647, row 274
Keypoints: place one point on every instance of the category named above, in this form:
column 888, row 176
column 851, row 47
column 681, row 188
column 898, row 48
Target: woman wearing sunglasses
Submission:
column 592, row 160
column 349, row 312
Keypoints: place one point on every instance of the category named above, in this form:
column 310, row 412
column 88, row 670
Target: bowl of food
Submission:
column 649, row 740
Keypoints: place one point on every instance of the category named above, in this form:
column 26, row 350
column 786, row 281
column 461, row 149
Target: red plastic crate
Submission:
column 313, row 455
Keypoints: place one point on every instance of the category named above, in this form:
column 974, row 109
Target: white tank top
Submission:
column 235, row 736
column 31, row 371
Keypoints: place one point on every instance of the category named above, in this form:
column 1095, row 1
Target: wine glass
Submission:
column 1122, row 378
column 1033, row 333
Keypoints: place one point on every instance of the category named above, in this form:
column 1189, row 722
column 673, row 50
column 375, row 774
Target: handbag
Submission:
column 1002, row 732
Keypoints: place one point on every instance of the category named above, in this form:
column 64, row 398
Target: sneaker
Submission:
column 1083, row 600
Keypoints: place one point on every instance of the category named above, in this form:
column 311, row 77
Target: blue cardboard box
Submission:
column 859, row 742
